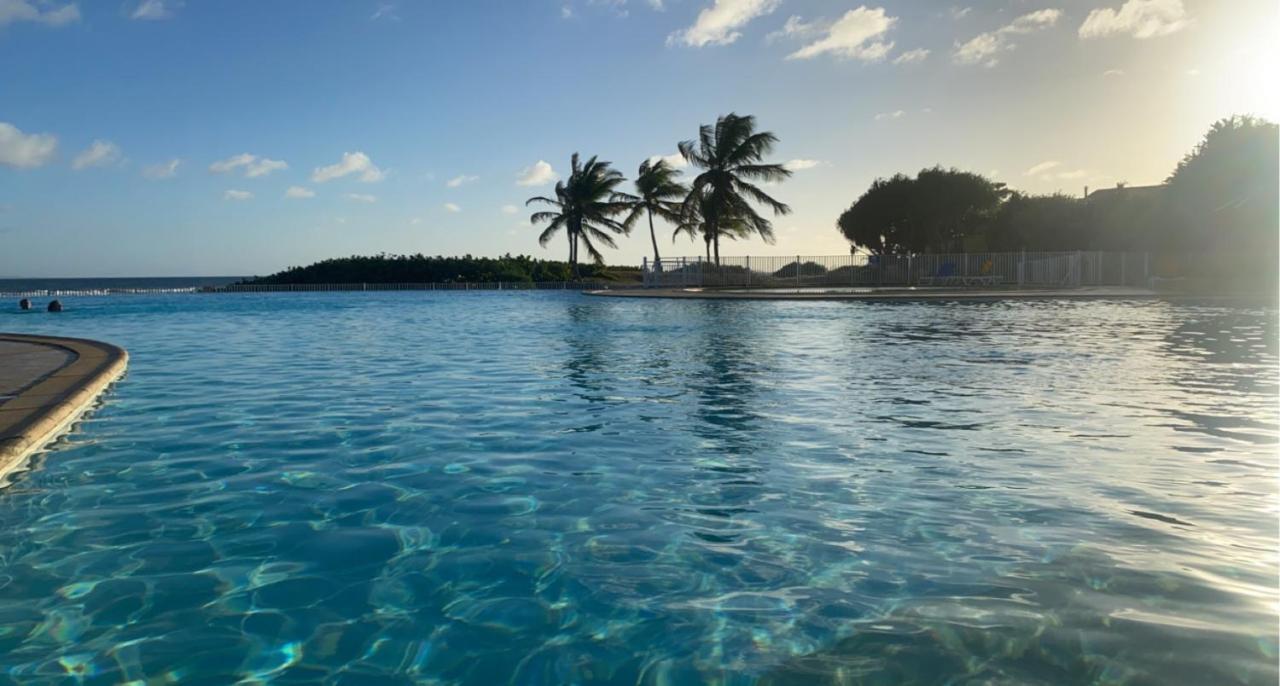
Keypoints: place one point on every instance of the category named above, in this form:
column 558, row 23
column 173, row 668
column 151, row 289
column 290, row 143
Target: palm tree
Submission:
column 584, row 207
column 693, row 222
column 731, row 154
column 657, row 192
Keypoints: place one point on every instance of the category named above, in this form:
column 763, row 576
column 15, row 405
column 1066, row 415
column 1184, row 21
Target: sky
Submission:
column 238, row 137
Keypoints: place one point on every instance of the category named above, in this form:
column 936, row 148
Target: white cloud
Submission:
column 540, row 174
column 415, row 221
column 959, row 13
column 912, row 56
column 362, row 197
column 566, row 12
column 797, row 28
column 719, row 24
column 299, row 192
column 155, row 9
column 1113, row 72
column 460, row 180
column 99, row 154
column 253, row 165
column 510, row 209
column 1137, row 18
column 351, row 163
column 1042, row 167
column 853, row 36
column 452, row 207
column 163, row 170
column 237, row 195
column 385, row 10
column 802, row 164
column 25, row 150
column 896, row 114
column 38, row 11
column 985, row 48
column 675, row 160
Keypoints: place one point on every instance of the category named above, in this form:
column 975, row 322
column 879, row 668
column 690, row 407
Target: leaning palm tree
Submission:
column 657, row 192
column 584, row 207
column 731, row 155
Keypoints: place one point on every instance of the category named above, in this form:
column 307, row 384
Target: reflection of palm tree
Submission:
column 731, row 154
column 657, row 192
column 584, row 207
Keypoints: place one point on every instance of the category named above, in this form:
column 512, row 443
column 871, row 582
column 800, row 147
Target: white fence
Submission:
column 1034, row 269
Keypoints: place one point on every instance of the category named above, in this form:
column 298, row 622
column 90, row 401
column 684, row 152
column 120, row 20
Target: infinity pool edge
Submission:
column 886, row 294
column 47, row 408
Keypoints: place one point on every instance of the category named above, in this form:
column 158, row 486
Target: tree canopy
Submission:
column 934, row 212
column 1222, row 197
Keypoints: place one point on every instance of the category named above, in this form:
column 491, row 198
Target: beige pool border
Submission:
column 887, row 294
column 47, row 408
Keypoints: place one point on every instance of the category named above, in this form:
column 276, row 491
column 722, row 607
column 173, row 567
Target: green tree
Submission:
column 731, row 155
column 657, row 192
column 879, row 220
column 934, row 212
column 1040, row 222
column 585, row 207
column 1223, row 194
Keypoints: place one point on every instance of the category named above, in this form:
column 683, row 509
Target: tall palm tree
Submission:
column 731, row 155
column 584, row 207
column 657, row 192
column 693, row 222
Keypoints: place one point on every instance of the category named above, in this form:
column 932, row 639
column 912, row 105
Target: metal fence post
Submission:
column 797, row 271
column 748, row 262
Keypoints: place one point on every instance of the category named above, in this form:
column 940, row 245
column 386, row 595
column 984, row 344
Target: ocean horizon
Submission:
column 109, row 283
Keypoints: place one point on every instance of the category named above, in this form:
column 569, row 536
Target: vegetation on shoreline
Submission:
column 1219, row 205
column 419, row 268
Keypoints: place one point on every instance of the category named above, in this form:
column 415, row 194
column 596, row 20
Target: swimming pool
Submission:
column 545, row 488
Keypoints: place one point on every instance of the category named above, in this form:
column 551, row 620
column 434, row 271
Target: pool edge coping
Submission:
column 46, row 409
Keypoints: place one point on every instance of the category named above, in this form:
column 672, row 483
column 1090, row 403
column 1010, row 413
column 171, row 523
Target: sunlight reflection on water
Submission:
column 549, row 488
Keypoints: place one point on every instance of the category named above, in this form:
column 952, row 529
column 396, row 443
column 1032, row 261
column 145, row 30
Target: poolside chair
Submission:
column 946, row 274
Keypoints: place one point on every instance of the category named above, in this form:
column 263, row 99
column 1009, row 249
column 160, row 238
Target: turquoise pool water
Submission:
column 547, row 488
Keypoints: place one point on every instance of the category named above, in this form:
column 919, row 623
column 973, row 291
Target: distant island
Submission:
column 386, row 268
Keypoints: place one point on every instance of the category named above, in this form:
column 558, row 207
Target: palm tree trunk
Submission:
column 573, row 250
column 657, row 261
column 576, row 274
column 713, row 226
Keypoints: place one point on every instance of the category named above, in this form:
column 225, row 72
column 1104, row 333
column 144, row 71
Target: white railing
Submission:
column 957, row 270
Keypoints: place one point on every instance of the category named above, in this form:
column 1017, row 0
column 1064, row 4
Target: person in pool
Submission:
column 55, row 305
column 24, row 304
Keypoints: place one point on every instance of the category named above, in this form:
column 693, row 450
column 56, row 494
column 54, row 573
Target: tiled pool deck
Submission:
column 45, row 384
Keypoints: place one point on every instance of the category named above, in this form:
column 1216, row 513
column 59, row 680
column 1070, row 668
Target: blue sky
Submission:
column 159, row 137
